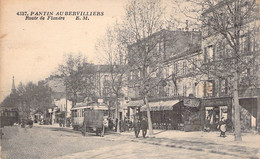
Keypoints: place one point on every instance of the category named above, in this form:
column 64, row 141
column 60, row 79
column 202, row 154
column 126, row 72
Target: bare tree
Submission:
column 143, row 19
column 115, row 58
column 72, row 73
column 234, row 23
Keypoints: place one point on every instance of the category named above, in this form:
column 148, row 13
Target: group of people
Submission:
column 124, row 125
column 136, row 124
column 140, row 125
column 61, row 122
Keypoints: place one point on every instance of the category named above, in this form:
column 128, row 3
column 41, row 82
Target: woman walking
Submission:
column 222, row 127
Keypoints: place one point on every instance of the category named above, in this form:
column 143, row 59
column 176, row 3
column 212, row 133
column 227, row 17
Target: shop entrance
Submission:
column 214, row 115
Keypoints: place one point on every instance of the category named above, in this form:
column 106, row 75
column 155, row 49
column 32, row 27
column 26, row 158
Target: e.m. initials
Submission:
column 82, row 18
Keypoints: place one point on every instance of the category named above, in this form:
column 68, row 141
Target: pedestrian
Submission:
column 144, row 126
column 126, row 124
column 116, row 124
column 136, row 127
column 222, row 127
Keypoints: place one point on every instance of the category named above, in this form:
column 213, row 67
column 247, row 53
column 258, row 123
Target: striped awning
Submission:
column 160, row 105
column 191, row 102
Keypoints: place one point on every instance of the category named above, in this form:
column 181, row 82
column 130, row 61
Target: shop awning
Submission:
column 191, row 102
column 91, row 105
column 160, row 105
column 136, row 103
column 60, row 113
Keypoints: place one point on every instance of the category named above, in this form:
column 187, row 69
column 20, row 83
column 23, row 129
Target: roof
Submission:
column 167, row 33
column 191, row 51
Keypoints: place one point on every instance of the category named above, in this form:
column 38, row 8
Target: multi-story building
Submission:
column 199, row 76
column 99, row 82
column 173, row 80
column 220, row 62
column 61, row 105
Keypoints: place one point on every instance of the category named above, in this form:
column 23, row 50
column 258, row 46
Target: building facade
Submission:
column 220, row 38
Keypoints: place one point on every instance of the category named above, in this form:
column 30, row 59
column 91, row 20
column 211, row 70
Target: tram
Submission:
column 8, row 117
column 88, row 112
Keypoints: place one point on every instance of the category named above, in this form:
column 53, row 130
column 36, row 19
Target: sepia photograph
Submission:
column 129, row 79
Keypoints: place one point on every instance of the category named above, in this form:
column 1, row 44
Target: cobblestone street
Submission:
column 51, row 141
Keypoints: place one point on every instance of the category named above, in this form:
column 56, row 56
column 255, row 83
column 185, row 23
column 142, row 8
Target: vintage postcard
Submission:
column 129, row 79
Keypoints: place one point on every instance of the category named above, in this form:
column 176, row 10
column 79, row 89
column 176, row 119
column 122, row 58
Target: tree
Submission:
column 32, row 97
column 72, row 73
column 236, row 22
column 143, row 19
column 43, row 96
column 115, row 58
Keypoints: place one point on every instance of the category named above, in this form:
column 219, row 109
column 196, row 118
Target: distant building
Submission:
column 61, row 105
column 98, row 84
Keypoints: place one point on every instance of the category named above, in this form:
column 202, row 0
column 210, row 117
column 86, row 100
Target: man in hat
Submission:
column 136, row 126
column 144, row 126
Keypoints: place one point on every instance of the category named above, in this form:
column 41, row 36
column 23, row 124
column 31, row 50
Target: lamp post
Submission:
column 66, row 106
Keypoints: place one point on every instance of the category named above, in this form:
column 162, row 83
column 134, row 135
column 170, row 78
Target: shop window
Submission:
column 212, row 117
column 223, row 112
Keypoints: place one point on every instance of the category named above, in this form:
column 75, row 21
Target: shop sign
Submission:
column 50, row 110
column 216, row 102
column 191, row 102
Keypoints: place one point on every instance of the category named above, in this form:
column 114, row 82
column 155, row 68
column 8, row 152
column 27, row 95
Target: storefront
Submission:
column 248, row 113
column 164, row 114
column 133, row 109
column 213, row 109
column 191, row 114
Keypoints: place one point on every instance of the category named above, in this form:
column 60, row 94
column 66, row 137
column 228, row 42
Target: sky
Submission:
column 31, row 50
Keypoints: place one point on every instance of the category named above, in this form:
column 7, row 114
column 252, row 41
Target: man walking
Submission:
column 136, row 127
column 144, row 126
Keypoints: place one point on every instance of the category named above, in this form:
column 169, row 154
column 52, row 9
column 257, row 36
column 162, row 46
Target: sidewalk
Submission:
column 199, row 141
column 208, row 142
column 248, row 139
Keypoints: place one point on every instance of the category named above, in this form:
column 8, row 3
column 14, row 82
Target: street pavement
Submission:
column 52, row 141
column 200, row 141
column 45, row 142
column 130, row 150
